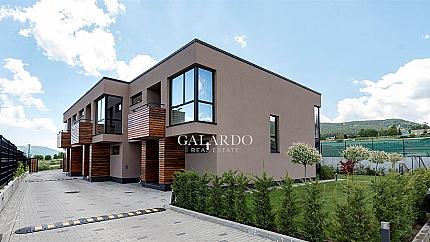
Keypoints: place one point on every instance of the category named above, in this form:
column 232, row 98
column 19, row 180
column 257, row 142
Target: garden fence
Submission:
column 406, row 147
column 9, row 157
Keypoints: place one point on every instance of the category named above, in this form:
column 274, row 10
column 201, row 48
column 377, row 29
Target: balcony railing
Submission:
column 64, row 139
column 147, row 121
column 82, row 132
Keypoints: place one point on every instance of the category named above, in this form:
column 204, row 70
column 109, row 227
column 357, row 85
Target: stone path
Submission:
column 43, row 199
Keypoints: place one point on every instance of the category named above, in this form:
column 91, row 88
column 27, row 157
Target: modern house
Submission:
column 200, row 108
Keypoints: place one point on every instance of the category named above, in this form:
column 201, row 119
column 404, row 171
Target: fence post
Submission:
column 385, row 231
column 372, row 144
column 404, row 148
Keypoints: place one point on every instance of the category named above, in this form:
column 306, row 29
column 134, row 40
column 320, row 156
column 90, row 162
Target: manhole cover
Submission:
column 71, row 192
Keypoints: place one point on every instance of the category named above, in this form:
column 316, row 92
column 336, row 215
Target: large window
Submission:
column 273, row 123
column 192, row 96
column 109, row 115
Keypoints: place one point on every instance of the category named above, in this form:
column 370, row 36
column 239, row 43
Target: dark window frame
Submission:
column 140, row 94
column 317, row 124
column 276, row 135
column 114, row 151
column 196, row 100
column 106, row 96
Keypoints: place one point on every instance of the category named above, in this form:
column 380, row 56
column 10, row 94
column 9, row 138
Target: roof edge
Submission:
column 103, row 78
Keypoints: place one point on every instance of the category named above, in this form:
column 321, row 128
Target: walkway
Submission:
column 51, row 197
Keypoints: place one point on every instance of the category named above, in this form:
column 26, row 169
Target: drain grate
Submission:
column 71, row 192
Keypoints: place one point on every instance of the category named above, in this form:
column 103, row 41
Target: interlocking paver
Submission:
column 43, row 202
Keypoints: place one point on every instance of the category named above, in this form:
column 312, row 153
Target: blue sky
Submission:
column 344, row 49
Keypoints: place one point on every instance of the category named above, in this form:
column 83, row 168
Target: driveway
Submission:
column 50, row 197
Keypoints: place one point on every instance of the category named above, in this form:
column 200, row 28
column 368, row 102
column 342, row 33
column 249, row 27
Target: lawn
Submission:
column 332, row 192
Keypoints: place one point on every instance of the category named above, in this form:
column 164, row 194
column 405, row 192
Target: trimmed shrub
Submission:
column 229, row 178
column 391, row 203
column 326, row 172
column 21, row 169
column 314, row 217
column 354, row 219
column 215, row 199
column 184, row 187
column 201, row 193
column 418, row 183
column 264, row 217
column 240, row 205
column 43, row 165
column 289, row 211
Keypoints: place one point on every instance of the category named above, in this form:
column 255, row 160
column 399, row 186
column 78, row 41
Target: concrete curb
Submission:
column 244, row 228
column 7, row 191
column 424, row 234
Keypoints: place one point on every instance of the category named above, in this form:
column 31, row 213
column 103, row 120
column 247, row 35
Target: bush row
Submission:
column 395, row 198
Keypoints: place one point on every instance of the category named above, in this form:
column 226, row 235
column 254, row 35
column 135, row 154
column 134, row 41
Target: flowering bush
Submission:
column 304, row 154
column 394, row 158
column 378, row 157
column 353, row 155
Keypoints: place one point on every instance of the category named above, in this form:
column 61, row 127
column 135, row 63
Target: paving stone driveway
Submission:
column 38, row 201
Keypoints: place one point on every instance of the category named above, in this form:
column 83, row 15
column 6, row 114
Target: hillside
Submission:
column 353, row 127
column 38, row 150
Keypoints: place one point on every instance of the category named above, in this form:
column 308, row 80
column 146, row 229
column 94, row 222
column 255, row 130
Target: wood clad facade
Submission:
column 75, row 161
column 99, row 161
column 147, row 122
column 82, row 133
column 85, row 160
column 171, row 159
column 149, row 161
column 64, row 139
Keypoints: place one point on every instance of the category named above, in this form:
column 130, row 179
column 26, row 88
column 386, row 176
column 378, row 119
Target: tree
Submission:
column 48, row 157
column 353, row 155
column 289, row 211
column 354, row 220
column 229, row 178
column 264, row 217
column 61, row 155
column 215, row 205
column 368, row 133
column 314, row 217
column 39, row 157
column 55, row 157
column 304, row 154
column 392, row 131
column 241, row 210
column 378, row 157
column 394, row 158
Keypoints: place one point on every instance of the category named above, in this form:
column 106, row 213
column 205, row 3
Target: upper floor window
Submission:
column 109, row 115
column 273, row 123
column 192, row 97
column 136, row 99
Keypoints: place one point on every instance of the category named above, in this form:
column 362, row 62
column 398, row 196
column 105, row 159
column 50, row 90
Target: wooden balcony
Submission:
column 82, row 132
column 146, row 122
column 64, row 139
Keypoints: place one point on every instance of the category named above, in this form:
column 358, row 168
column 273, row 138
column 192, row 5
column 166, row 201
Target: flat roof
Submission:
column 182, row 48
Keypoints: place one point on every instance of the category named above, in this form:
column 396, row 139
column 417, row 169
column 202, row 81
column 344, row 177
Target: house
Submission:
column 200, row 108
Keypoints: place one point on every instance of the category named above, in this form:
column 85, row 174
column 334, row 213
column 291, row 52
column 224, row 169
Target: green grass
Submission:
column 332, row 193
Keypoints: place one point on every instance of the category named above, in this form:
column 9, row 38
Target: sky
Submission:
column 368, row 59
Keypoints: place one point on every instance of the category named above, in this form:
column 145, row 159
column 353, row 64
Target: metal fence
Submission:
column 9, row 157
column 407, row 147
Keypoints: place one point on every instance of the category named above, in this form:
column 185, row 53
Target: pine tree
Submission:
column 287, row 214
column 264, row 217
column 314, row 217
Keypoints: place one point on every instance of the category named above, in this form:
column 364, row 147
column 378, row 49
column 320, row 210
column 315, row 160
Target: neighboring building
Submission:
column 128, row 131
column 418, row 132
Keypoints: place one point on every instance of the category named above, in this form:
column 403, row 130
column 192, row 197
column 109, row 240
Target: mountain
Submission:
column 353, row 127
column 38, row 150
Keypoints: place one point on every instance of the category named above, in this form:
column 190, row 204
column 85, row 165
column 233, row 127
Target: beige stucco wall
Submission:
column 245, row 96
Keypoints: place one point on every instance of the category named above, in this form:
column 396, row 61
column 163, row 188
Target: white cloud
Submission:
column 427, row 36
column 404, row 93
column 74, row 32
column 18, row 93
column 23, row 85
column 242, row 40
column 129, row 71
